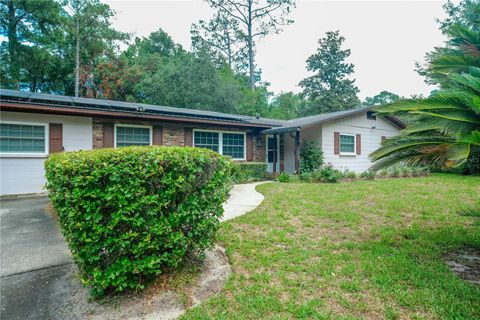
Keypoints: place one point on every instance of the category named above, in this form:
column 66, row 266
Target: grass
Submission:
column 353, row 250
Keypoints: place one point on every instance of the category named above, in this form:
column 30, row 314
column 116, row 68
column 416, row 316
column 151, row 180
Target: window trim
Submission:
column 150, row 128
column 354, row 153
column 220, row 141
column 29, row 154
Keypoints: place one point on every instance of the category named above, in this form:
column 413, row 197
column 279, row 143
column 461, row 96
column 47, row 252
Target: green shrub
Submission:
column 369, row 175
column 311, row 157
column 244, row 172
column 129, row 214
column 382, row 173
column 349, row 174
column 305, row 176
column 284, row 177
column 405, row 171
column 394, row 171
column 328, row 174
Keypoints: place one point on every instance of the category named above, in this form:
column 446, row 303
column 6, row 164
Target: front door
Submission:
column 271, row 142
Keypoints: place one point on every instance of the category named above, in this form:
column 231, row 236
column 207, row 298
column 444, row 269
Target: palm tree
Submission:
column 445, row 127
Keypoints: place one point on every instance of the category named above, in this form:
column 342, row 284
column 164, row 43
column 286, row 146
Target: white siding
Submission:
column 288, row 153
column 313, row 133
column 26, row 174
column 370, row 140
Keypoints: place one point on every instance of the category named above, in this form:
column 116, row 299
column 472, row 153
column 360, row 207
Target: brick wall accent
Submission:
column 259, row 148
column 97, row 128
column 55, row 137
column 173, row 134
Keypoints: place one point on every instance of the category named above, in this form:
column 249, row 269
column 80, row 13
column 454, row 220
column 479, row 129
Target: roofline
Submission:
column 396, row 121
column 68, row 110
column 94, row 106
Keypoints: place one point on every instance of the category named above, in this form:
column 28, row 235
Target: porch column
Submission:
column 297, row 151
column 274, row 153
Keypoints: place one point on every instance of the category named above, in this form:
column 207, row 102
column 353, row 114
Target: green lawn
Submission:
column 353, row 250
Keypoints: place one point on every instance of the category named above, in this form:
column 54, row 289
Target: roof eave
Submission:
column 39, row 108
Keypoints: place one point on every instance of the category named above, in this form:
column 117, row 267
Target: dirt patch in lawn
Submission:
column 162, row 300
column 465, row 264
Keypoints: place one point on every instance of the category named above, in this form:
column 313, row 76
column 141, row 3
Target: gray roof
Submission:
column 121, row 106
column 279, row 126
column 298, row 123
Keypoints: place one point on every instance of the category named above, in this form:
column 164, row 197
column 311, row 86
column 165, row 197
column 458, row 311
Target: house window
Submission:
column 207, row 140
column 371, row 115
column 347, row 144
column 227, row 143
column 233, row 145
column 129, row 135
column 23, row 138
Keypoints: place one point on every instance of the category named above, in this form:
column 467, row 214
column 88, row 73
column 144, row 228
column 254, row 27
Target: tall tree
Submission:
column 223, row 39
column 330, row 88
column 25, row 23
column 382, row 98
column 89, row 27
column 257, row 18
column 287, row 105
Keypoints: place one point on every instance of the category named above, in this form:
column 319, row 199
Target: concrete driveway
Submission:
column 35, row 261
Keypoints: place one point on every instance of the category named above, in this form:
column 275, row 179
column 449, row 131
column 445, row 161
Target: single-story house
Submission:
column 34, row 125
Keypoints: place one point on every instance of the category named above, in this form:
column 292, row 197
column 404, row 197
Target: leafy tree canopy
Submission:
column 330, row 88
column 382, row 98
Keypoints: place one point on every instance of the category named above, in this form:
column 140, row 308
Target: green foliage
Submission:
column 329, row 174
column 128, row 214
column 244, row 172
column 284, row 177
column 349, row 174
column 444, row 129
column 330, row 88
column 252, row 20
column 368, row 175
column 286, row 106
column 223, row 40
column 380, row 99
column 403, row 170
column 311, row 157
column 24, row 23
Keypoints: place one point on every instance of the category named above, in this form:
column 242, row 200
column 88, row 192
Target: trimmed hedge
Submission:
column 249, row 172
column 129, row 214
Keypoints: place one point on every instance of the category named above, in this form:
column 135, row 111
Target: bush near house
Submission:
column 129, row 214
column 328, row 174
column 311, row 157
column 244, row 172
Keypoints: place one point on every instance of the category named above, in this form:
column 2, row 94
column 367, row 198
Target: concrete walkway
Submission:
column 243, row 198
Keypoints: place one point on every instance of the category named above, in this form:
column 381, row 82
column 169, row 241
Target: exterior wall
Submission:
column 174, row 134
column 26, row 174
column 20, row 175
column 371, row 139
column 313, row 133
column 288, row 153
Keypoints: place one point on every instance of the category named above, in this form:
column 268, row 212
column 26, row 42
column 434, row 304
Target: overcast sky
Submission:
column 386, row 38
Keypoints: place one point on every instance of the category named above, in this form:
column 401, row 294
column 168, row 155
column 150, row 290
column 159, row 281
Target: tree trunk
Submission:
column 77, row 55
column 13, row 46
column 250, row 48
